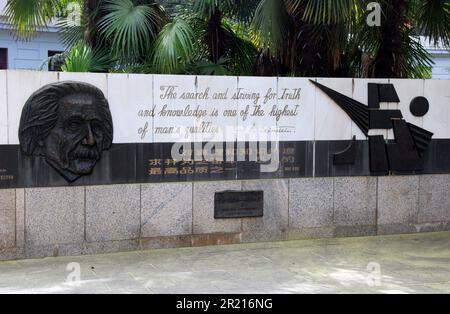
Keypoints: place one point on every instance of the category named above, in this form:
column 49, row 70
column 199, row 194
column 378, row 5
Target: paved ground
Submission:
column 395, row 264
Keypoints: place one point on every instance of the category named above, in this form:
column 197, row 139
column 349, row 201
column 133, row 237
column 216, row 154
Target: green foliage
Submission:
column 329, row 12
column 242, row 37
column 240, row 10
column 273, row 22
column 173, row 47
column 433, row 18
column 82, row 58
column 29, row 15
column 205, row 67
column 130, row 28
column 71, row 31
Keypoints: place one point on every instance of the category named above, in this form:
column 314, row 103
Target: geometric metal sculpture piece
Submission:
column 373, row 96
column 421, row 137
column 378, row 156
column 419, row 106
column 382, row 119
column 357, row 111
column 347, row 156
column 387, row 93
column 69, row 124
column 378, row 93
column 411, row 141
column 403, row 155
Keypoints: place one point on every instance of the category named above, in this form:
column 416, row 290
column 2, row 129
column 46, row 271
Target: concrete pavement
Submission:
column 418, row 263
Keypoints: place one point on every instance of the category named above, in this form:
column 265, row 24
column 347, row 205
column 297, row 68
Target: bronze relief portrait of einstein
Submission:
column 69, row 124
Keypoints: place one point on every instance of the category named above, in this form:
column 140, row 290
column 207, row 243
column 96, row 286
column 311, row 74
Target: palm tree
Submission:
column 331, row 38
column 263, row 37
column 207, row 38
column 399, row 54
column 125, row 28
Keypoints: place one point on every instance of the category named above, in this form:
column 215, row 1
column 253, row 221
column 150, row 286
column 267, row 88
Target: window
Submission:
column 3, row 58
column 56, row 64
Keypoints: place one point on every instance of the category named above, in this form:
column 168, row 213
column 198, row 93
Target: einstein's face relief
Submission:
column 75, row 142
column 69, row 124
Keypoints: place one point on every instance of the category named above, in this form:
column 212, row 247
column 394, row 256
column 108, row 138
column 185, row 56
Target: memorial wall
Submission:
column 109, row 162
column 224, row 127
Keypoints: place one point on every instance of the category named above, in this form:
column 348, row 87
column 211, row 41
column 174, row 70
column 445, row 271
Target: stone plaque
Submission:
column 237, row 204
column 9, row 168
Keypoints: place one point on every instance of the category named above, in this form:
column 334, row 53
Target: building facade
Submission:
column 30, row 54
column 441, row 58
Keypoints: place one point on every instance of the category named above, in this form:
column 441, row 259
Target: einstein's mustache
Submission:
column 82, row 152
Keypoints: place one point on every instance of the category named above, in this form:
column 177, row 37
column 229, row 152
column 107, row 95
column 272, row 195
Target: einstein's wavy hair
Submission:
column 40, row 114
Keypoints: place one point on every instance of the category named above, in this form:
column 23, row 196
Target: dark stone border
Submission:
column 138, row 163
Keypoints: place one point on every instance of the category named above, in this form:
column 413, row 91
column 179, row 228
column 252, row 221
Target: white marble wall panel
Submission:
column 131, row 102
column 437, row 120
column 221, row 120
column 332, row 123
column 175, row 108
column 296, row 109
column 256, row 98
column 21, row 85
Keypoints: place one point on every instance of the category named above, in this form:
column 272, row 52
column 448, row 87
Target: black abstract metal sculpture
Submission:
column 411, row 141
column 69, row 124
column 347, row 156
column 419, row 106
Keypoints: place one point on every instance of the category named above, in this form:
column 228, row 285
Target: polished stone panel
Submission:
column 54, row 216
column 355, row 201
column 275, row 221
column 20, row 218
column 7, row 219
column 166, row 209
column 112, row 213
column 310, row 203
column 434, row 200
column 398, row 198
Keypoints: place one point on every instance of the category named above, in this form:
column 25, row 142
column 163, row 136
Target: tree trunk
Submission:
column 90, row 7
column 390, row 60
column 215, row 38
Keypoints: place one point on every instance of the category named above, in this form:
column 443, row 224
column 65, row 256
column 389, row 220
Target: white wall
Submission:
column 2, row 5
column 441, row 69
column 319, row 118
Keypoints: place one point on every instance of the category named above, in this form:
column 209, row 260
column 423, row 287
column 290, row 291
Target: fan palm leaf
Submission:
column 174, row 47
column 27, row 16
column 130, row 28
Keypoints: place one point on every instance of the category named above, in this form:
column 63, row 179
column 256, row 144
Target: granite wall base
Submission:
column 42, row 222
